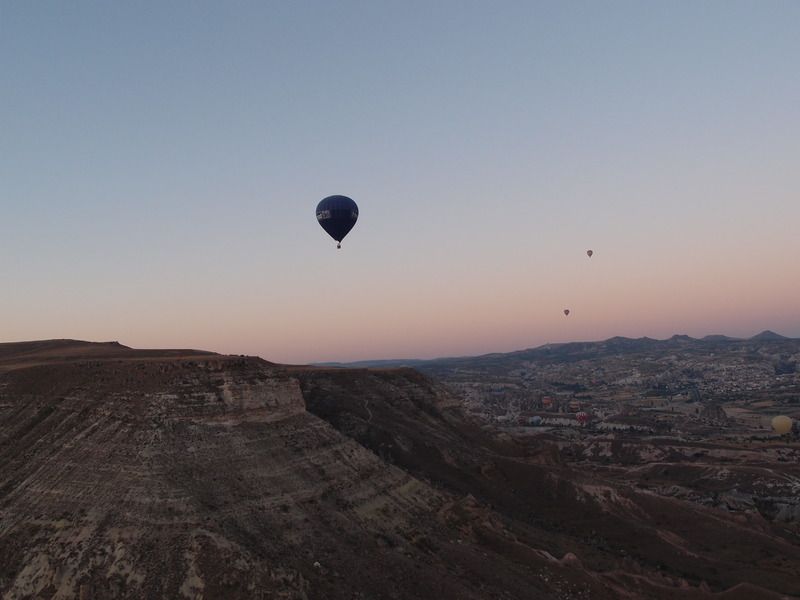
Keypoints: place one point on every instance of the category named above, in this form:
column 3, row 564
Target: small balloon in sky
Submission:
column 589, row 253
column 337, row 215
column 566, row 311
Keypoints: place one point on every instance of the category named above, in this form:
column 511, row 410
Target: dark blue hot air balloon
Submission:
column 337, row 215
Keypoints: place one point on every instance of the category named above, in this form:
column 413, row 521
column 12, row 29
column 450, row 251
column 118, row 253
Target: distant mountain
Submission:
column 619, row 339
column 719, row 338
column 567, row 352
column 767, row 336
column 681, row 338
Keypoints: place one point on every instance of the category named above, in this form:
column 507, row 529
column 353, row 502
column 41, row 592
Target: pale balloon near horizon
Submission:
column 782, row 424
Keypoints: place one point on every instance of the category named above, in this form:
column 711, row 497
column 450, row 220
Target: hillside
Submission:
column 172, row 474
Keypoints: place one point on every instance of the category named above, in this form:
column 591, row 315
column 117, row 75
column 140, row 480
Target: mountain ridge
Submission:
column 618, row 342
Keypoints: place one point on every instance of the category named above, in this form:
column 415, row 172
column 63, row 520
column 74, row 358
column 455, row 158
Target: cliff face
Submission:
column 193, row 476
column 167, row 475
column 180, row 474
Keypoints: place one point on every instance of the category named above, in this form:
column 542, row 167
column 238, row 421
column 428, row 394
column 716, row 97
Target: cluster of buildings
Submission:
column 652, row 391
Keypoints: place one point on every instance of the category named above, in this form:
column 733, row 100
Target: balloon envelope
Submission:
column 337, row 215
column 782, row 424
column 589, row 253
column 566, row 311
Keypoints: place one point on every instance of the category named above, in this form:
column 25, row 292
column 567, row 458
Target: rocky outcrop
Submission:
column 188, row 475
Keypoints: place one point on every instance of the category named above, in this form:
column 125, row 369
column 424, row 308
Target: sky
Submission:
column 160, row 163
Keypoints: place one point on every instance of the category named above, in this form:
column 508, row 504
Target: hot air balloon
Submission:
column 582, row 418
column 782, row 424
column 535, row 421
column 566, row 311
column 589, row 253
column 337, row 215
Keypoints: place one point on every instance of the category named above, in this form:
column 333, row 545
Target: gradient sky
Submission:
column 160, row 163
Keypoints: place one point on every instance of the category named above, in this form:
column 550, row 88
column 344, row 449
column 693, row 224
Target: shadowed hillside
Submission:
column 615, row 528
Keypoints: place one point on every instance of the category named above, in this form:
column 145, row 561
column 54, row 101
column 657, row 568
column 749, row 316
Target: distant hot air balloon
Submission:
column 582, row 418
column 782, row 424
column 589, row 253
column 337, row 215
column 566, row 311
